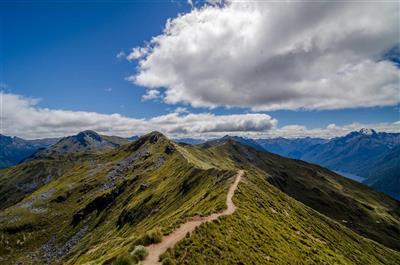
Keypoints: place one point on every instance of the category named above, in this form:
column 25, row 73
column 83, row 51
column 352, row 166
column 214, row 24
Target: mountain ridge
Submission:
column 84, row 141
column 109, row 201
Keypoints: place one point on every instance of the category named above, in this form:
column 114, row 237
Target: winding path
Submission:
column 169, row 241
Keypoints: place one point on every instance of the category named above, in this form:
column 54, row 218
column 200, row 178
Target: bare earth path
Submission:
column 169, row 241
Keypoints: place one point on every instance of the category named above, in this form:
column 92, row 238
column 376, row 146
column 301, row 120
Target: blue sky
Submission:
column 65, row 54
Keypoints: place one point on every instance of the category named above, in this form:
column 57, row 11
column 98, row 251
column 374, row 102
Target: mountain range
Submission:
column 373, row 156
column 366, row 156
column 14, row 149
column 87, row 206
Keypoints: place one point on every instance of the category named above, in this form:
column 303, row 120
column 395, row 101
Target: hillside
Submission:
column 385, row 173
column 99, row 205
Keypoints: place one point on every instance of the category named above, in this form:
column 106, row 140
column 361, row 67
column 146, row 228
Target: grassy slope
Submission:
column 158, row 190
column 360, row 208
column 21, row 180
column 161, row 186
column 271, row 228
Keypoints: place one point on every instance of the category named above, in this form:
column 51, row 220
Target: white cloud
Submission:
column 181, row 110
column 20, row 116
column 137, row 53
column 121, row 55
column 151, row 94
column 204, row 124
column 108, row 89
column 268, row 55
column 330, row 131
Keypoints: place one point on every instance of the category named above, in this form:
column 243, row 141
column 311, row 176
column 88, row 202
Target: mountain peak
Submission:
column 89, row 133
column 82, row 142
column 366, row 131
column 157, row 133
column 152, row 137
column 236, row 139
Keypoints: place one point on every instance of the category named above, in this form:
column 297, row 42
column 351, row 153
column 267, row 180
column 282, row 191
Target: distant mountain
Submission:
column 242, row 140
column 384, row 174
column 365, row 153
column 293, row 148
column 133, row 138
column 97, row 207
column 14, row 149
column 189, row 141
column 355, row 152
column 86, row 141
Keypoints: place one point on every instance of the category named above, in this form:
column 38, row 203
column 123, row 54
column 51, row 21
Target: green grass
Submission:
column 271, row 228
column 151, row 237
column 124, row 260
column 287, row 211
column 357, row 206
column 174, row 191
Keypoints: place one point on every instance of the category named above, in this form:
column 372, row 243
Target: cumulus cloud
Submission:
column 205, row 123
column 21, row 116
column 181, row 110
column 137, row 53
column 268, row 55
column 151, row 94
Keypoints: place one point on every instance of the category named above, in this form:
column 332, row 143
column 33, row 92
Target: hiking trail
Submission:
column 169, row 241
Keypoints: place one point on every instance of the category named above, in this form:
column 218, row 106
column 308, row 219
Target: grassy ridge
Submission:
column 271, row 228
column 356, row 206
column 151, row 187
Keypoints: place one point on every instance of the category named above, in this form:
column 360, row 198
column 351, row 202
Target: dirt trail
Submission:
column 169, row 241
